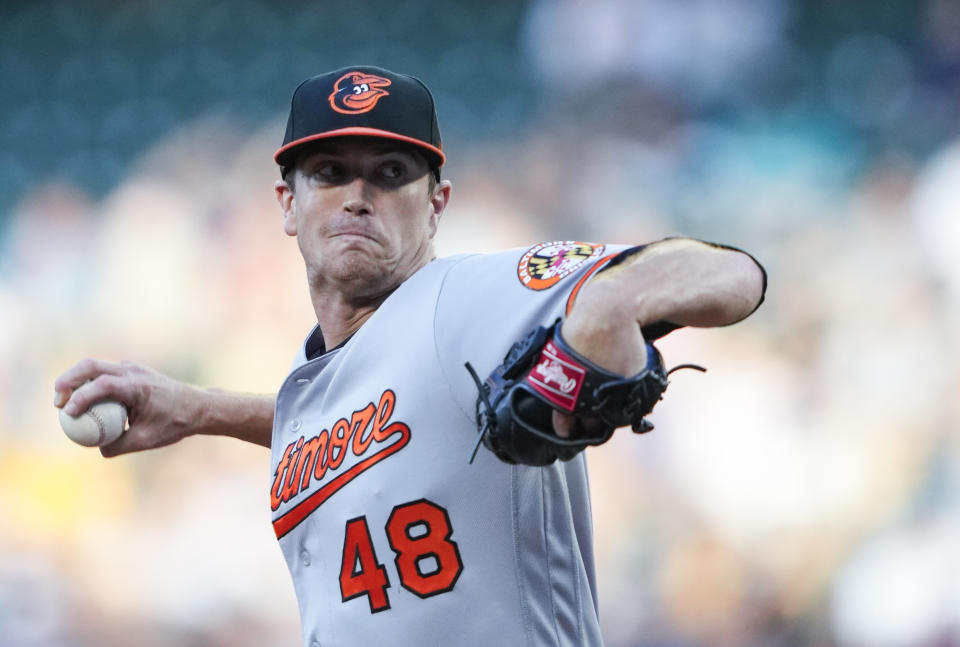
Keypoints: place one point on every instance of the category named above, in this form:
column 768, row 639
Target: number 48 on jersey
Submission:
column 427, row 560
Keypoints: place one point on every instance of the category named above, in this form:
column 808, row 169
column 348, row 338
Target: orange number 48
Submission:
column 427, row 560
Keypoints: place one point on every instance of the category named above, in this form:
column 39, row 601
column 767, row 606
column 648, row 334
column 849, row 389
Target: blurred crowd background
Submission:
column 803, row 492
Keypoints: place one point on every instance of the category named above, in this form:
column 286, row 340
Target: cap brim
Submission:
column 284, row 155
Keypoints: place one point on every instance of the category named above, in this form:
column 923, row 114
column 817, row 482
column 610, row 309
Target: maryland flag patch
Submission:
column 542, row 266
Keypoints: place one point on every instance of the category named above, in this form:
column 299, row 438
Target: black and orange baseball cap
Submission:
column 362, row 100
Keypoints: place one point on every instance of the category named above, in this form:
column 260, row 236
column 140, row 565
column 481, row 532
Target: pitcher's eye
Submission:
column 392, row 171
column 328, row 171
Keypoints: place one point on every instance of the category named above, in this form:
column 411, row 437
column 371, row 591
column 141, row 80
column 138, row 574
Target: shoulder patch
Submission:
column 542, row 266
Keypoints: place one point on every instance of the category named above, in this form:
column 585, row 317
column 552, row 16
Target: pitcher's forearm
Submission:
column 161, row 410
column 686, row 282
column 241, row 416
column 681, row 281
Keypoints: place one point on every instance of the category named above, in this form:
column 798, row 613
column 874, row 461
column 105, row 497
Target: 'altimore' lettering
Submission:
column 312, row 458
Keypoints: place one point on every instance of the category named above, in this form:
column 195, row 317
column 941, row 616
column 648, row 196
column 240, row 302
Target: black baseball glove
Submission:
column 541, row 373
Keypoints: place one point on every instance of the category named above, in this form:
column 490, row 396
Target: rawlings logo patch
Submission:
column 552, row 371
column 355, row 92
column 542, row 266
column 557, row 377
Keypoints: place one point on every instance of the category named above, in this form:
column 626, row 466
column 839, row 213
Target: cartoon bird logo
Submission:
column 357, row 92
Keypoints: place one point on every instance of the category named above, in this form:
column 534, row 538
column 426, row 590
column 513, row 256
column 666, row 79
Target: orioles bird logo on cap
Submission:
column 357, row 92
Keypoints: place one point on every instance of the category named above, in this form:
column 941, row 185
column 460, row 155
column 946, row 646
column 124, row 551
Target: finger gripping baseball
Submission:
column 540, row 374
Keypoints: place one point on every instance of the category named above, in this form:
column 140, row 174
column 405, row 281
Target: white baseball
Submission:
column 99, row 425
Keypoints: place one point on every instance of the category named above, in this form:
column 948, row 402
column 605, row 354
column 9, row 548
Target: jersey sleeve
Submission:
column 489, row 301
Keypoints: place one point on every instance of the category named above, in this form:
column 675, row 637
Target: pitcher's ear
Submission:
column 439, row 201
column 286, row 198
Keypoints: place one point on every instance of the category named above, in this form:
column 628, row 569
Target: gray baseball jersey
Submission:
column 390, row 536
